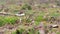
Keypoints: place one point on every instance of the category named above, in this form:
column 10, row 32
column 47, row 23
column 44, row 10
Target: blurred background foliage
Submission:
column 34, row 10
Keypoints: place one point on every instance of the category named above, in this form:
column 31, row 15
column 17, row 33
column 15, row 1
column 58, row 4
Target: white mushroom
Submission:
column 20, row 14
column 55, row 26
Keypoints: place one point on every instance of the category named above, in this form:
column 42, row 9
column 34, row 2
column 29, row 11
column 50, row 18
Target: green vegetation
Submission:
column 58, row 33
column 7, row 19
column 36, row 11
column 26, row 6
column 23, row 31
